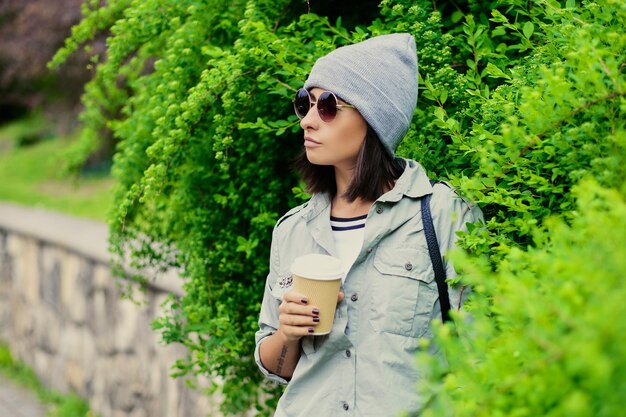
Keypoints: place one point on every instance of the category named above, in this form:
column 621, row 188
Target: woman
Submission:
column 355, row 107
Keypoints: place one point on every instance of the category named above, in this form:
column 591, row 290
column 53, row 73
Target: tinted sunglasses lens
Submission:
column 301, row 104
column 327, row 106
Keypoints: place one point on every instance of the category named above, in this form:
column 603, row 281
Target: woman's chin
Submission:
column 316, row 159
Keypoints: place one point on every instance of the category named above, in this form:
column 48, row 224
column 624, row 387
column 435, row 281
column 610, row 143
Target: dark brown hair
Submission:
column 374, row 174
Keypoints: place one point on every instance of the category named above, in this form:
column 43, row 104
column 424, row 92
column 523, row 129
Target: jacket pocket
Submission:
column 403, row 291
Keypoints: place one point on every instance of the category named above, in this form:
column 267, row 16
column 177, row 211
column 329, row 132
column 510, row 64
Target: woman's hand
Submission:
column 297, row 318
column 280, row 352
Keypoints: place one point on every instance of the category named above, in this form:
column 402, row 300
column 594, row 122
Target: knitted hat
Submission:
column 377, row 76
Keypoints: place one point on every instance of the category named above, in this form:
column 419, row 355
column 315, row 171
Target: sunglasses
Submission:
column 327, row 104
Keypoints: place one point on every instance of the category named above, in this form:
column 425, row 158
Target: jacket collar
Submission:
column 413, row 183
column 317, row 204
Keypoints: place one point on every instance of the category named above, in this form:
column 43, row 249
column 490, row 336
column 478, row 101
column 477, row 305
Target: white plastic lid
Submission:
column 317, row 266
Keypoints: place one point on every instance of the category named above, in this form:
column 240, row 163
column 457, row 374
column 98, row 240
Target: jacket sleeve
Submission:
column 451, row 214
column 268, row 317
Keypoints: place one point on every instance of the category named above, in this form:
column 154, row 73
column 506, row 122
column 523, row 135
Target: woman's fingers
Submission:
column 298, row 310
column 297, row 326
column 297, row 304
column 293, row 333
column 295, row 297
column 297, row 318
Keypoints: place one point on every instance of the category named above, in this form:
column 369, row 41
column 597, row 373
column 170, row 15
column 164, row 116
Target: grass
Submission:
column 31, row 159
column 57, row 405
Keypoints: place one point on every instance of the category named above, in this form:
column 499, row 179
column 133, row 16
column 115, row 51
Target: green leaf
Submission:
column 529, row 28
column 439, row 113
column 496, row 72
column 443, row 96
column 457, row 16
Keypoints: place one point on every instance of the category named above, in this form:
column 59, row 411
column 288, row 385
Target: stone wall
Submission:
column 61, row 313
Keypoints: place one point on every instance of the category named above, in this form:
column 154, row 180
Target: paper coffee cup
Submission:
column 318, row 277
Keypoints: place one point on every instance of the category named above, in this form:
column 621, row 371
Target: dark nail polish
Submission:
column 311, row 329
column 316, row 319
column 304, row 301
column 316, row 311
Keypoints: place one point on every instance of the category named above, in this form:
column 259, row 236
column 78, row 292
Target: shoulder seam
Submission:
column 435, row 182
column 290, row 213
column 451, row 188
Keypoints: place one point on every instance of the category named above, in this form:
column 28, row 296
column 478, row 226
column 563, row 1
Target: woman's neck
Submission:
column 343, row 178
column 341, row 207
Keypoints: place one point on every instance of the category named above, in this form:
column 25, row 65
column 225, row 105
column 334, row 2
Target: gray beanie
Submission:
column 377, row 76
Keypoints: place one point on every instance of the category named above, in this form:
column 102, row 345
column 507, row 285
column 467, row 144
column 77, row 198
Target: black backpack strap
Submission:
column 435, row 257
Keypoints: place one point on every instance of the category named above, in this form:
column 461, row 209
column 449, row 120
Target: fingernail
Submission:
column 316, row 319
column 316, row 311
column 311, row 329
column 304, row 301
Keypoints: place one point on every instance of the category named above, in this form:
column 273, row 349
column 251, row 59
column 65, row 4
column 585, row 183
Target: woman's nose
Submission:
column 312, row 119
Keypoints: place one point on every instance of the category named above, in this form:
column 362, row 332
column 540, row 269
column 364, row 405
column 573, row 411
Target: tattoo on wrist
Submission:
column 281, row 359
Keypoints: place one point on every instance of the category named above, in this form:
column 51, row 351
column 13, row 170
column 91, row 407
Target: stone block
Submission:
column 89, row 355
column 49, row 369
column 14, row 250
column 102, row 277
column 71, row 342
column 102, row 321
column 171, row 397
column 22, row 318
column 72, row 298
column 139, row 412
column 25, row 253
column 6, row 273
column 75, row 376
column 127, row 382
column 47, row 328
column 100, row 399
column 41, row 362
column 125, row 330
column 50, row 262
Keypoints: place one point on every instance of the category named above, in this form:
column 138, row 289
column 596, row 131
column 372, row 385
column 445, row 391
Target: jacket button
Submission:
column 346, row 406
column 348, row 353
column 354, row 297
column 369, row 250
column 408, row 266
column 379, row 209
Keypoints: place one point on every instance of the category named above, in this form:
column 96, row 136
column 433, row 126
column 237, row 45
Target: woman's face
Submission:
column 336, row 143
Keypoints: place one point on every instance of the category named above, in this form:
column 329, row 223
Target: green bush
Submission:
column 519, row 101
column 546, row 334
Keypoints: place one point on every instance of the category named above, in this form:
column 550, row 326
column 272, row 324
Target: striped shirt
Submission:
column 348, row 234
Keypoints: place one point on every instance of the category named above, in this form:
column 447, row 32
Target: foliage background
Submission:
column 519, row 102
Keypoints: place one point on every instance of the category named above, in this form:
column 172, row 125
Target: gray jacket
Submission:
column 366, row 365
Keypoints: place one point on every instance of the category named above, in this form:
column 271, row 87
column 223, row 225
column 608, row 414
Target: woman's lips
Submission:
column 311, row 143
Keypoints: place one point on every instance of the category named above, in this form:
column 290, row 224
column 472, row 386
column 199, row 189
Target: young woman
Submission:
column 355, row 107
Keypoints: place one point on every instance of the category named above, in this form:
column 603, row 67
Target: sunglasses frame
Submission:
column 314, row 103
